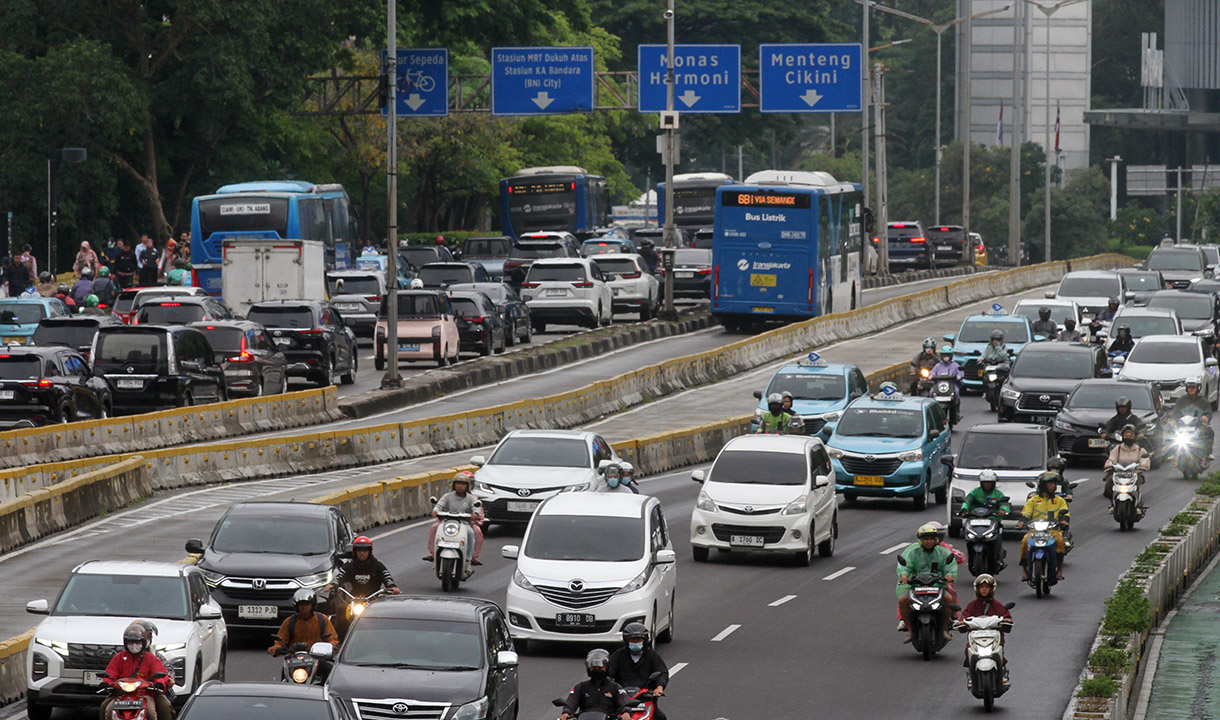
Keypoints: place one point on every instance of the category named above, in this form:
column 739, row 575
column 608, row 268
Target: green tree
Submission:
column 1077, row 213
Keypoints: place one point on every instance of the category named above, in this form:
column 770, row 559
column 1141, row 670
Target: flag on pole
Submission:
column 999, row 128
column 1056, row 127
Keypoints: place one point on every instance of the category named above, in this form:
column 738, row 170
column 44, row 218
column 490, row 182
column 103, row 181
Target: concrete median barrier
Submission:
column 12, row 667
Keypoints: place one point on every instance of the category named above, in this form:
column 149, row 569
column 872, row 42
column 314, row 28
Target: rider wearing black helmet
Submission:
column 996, row 353
column 925, row 360
column 1044, row 326
column 598, row 694
column 1107, row 314
column 1123, row 342
column 1124, row 416
column 651, row 258
column 634, row 664
column 304, row 626
column 1069, row 333
column 137, row 659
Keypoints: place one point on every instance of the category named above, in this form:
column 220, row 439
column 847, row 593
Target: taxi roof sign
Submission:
column 996, row 309
column 812, row 360
column 889, row 391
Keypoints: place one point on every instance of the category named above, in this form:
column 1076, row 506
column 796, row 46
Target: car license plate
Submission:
column 746, row 540
column 980, row 372
column 575, row 620
column 130, row 383
column 763, row 310
column 944, row 247
column 92, row 677
column 14, row 341
column 283, row 342
column 408, row 348
column 869, row 480
column 7, row 394
column 556, row 292
column 522, row 507
column 1097, row 442
column 684, row 275
column 1042, row 419
column 257, row 612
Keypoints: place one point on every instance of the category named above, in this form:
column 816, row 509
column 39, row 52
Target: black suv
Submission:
column 41, row 385
column 909, row 247
column 1044, row 374
column 313, row 337
column 1091, row 405
column 949, row 242
column 260, row 553
column 531, row 248
column 417, row 256
column 181, row 310
column 479, row 323
column 156, row 367
column 513, row 310
column 253, row 365
column 447, row 657
column 75, row 331
column 442, row 275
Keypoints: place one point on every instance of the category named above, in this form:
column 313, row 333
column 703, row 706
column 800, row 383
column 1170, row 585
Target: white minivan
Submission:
column 590, row 564
column 769, row 493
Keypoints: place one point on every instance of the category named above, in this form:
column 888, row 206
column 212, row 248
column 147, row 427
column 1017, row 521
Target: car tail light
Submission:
column 529, row 284
column 704, row 271
column 632, row 276
column 810, row 288
column 898, row 225
column 43, row 383
column 310, row 331
column 512, row 263
column 979, row 248
column 244, row 355
column 372, row 298
column 944, row 229
column 917, row 240
column 170, row 304
column 476, row 319
column 583, row 284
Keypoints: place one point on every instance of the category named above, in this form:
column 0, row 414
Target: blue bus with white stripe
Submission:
column 694, row 199
column 270, row 210
column 786, row 246
column 555, row 197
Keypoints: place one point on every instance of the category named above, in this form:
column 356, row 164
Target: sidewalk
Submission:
column 1186, row 685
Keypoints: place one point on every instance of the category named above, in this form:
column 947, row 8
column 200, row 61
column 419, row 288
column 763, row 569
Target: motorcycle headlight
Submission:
column 1181, row 439
column 991, row 377
column 1009, row 394
column 60, row 648
column 636, row 583
column 984, row 651
column 172, row 647
column 476, row 710
column 357, row 608
column 1061, row 425
column 834, row 452
column 317, row 579
column 212, row 578
column 1124, row 488
column 450, row 529
column 128, row 687
column 300, row 675
column 911, row 456
column 520, row 581
column 705, row 503
column 934, row 605
column 758, row 413
column 796, row 507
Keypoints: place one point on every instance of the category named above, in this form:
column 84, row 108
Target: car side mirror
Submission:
column 758, row 394
column 946, row 460
column 192, row 365
column 510, row 552
column 38, row 607
column 322, row 650
column 1039, row 338
column 821, row 480
column 902, row 561
column 1129, row 295
column 507, row 659
column 1210, row 362
column 665, row 557
column 1049, row 294
column 478, row 461
column 1030, row 484
column 949, row 337
column 209, row 612
column 698, row 476
column 194, row 546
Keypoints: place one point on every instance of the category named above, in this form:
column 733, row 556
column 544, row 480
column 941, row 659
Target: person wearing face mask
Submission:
column 598, row 694
column 1069, row 333
column 613, row 481
column 1123, row 342
column 634, row 664
column 459, row 500
column 627, row 471
column 1127, row 451
column 1044, row 326
column 775, row 420
column 137, row 660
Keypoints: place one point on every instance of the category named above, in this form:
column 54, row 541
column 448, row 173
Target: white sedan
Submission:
column 1167, row 360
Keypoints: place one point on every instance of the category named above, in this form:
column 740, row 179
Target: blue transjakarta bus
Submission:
column 556, row 197
column 694, row 199
column 270, row 210
column 787, row 246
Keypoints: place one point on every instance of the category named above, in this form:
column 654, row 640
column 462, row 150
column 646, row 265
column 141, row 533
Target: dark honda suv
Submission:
column 909, row 247
column 312, row 336
column 155, row 367
column 448, row 657
column 1042, row 377
column 42, row 385
column 261, row 553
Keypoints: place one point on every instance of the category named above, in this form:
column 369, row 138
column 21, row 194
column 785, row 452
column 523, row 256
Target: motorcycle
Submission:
column 993, row 377
column 928, row 595
column 944, row 391
column 986, row 676
column 1125, row 486
column 636, row 708
column 454, row 548
column 1186, row 447
column 1040, row 556
column 303, row 664
column 131, row 696
column 353, row 607
column 921, row 380
column 982, row 526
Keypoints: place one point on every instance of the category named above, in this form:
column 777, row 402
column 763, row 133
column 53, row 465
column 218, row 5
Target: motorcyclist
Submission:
column 1044, row 326
column 919, row 557
column 650, row 256
column 996, row 352
column 1123, row 342
column 599, row 693
column 1069, row 333
column 1067, row 488
column 1111, row 309
column 1124, row 453
column 306, row 625
column 104, row 287
column 459, row 501
column 137, row 660
column 1045, row 504
column 46, row 284
column 1194, row 403
column 925, row 360
column 613, row 481
column 949, row 367
column 774, row 420
column 364, row 573
column 985, row 604
column 787, row 402
column 627, row 473
column 634, row 664
column 1123, row 417
column 978, row 497
column 417, row 284
column 64, row 293
column 91, row 306
column 84, row 286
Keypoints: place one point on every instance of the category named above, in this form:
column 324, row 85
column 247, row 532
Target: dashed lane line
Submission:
column 896, row 548
column 725, row 633
column 840, row 573
column 781, row 601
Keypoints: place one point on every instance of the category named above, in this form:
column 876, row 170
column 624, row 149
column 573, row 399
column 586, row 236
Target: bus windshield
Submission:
column 541, row 205
column 243, row 213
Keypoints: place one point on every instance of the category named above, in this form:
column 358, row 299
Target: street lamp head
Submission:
column 70, row 155
column 669, row 14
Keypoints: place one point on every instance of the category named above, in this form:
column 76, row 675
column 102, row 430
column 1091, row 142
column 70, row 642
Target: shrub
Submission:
column 1098, row 686
column 1109, row 661
column 1152, row 553
column 1127, row 610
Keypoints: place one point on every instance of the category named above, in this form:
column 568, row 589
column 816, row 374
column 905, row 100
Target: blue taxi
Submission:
column 890, row 445
column 968, row 342
column 820, row 390
column 19, row 317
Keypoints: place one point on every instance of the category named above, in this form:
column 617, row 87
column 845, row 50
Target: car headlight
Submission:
column 834, row 452
column 59, row 647
column 171, row 647
column 482, row 487
column 911, row 456
column 831, row 416
column 520, row 581
column 1009, row 394
column 638, row 582
column 476, row 710
column 316, row 579
column 212, row 578
column 796, row 507
column 1061, row 425
column 705, row 503
column 575, row 488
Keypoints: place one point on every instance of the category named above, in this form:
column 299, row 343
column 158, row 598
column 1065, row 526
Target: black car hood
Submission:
column 1033, row 385
column 452, row 686
column 263, row 565
column 1096, row 417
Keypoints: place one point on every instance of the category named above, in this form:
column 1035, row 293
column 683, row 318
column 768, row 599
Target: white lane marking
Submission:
column 676, row 669
column 725, row 633
column 889, row 550
column 840, row 573
column 781, row 601
column 395, row 531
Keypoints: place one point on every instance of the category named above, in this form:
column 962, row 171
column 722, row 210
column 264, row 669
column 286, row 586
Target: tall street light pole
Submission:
column 667, row 254
column 392, row 378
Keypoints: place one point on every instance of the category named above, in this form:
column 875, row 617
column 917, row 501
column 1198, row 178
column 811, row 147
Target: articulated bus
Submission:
column 270, row 210
column 694, row 199
column 556, row 197
column 786, row 247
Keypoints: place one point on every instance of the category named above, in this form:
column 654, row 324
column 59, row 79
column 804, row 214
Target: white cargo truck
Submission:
column 258, row 270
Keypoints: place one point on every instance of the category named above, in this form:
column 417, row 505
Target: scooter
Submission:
column 635, row 707
column 643, row 698
column 1186, row 447
column 353, row 607
column 1040, row 556
column 986, row 676
column 454, row 548
column 982, row 526
column 921, row 381
column 131, row 696
column 303, row 664
column 928, row 596
column 944, row 391
column 1125, row 489
column 993, row 377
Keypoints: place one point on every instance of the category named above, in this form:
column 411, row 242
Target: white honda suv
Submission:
column 84, row 630
column 567, row 290
column 635, row 289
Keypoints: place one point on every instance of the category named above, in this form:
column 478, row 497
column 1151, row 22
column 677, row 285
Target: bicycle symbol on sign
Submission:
column 415, row 79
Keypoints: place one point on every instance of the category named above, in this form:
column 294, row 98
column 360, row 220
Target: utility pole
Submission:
column 864, row 143
column 667, row 255
column 1177, row 238
column 391, row 379
column 883, row 220
column 968, row 121
column 1018, row 112
column 1114, row 161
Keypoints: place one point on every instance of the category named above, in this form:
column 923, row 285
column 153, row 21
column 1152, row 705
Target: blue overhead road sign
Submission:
column 707, row 78
column 809, row 77
column 541, row 80
column 423, row 81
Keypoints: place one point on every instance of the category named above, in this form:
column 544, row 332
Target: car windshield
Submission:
column 354, row 285
column 1142, row 282
column 1162, row 353
column 423, row 305
column 556, row 273
column 1174, row 261
column 138, row 349
column 445, row 274
column 171, row 313
column 1058, row 313
column 21, row 313
column 1003, row 451
column 808, row 386
column 617, row 265
column 533, row 251
column 692, row 257
column 123, row 596
column 979, row 331
column 756, row 467
column 542, row 452
column 1212, row 254
column 588, row 538
column 1053, row 365
column 598, row 247
column 465, row 307
column 419, row 256
column 486, row 248
column 1103, row 396
column 881, row 422
column 73, row 334
column 125, row 301
column 287, row 316
column 414, row 643
column 224, row 340
column 1192, row 306
column 20, row 367
column 258, row 707
column 1089, row 287
column 282, row 535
